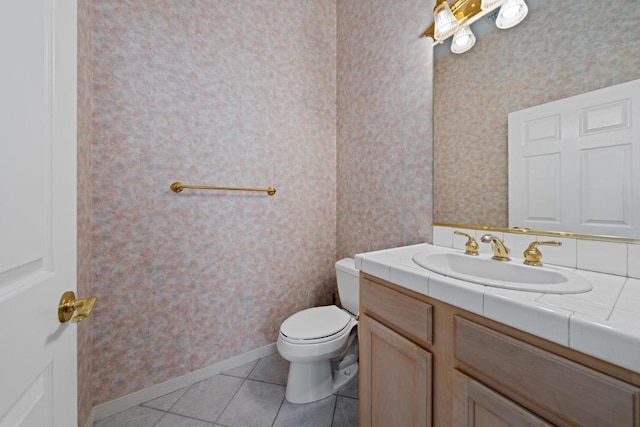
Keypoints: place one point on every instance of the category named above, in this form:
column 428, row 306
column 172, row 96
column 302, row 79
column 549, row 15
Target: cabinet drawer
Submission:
column 571, row 392
column 402, row 312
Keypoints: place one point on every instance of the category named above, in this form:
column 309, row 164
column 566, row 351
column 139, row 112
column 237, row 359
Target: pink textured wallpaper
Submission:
column 232, row 93
column 85, row 327
column 385, row 173
column 539, row 61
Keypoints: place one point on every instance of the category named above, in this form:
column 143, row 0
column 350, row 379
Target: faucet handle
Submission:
column 532, row 254
column 471, row 246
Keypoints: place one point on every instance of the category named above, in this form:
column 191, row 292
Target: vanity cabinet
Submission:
column 467, row 370
column 397, row 374
column 395, row 367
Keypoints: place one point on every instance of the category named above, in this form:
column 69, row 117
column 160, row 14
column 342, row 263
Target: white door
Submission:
column 37, row 211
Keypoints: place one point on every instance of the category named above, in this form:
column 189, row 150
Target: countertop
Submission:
column 604, row 322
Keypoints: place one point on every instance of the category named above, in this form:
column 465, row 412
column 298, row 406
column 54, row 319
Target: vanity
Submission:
column 437, row 350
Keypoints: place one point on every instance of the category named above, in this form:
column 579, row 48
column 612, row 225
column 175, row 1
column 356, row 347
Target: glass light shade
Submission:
column 490, row 4
column 512, row 12
column 463, row 40
column 445, row 23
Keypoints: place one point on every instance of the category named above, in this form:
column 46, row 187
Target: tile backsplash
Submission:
column 618, row 258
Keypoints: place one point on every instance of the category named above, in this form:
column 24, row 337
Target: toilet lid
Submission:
column 314, row 323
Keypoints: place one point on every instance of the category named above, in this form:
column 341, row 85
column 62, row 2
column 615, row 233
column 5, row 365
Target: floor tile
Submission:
column 172, row 420
column 228, row 400
column 207, row 399
column 255, row 404
column 346, row 414
column 351, row 390
column 165, row 402
column 134, row 417
column 316, row 414
column 271, row 369
column 242, row 371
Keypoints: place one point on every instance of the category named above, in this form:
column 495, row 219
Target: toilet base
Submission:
column 309, row 382
column 344, row 377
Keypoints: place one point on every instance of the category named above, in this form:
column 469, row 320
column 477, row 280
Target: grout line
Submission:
column 234, row 394
column 335, row 408
column 278, row 413
column 349, row 397
column 254, row 368
column 181, row 396
column 615, row 303
column 159, row 419
column 168, row 411
column 232, row 376
column 191, row 417
column 570, row 326
column 264, row 382
column 229, row 402
column 185, row 416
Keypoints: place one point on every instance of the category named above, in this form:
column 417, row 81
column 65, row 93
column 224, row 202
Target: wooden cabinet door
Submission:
column 475, row 405
column 395, row 378
column 566, row 392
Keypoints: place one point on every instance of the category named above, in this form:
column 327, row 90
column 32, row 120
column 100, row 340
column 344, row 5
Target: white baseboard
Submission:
column 90, row 418
column 123, row 403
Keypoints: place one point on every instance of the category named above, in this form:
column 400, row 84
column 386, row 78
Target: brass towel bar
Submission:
column 178, row 187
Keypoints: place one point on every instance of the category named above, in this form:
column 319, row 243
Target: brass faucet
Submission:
column 532, row 254
column 500, row 251
column 471, row 246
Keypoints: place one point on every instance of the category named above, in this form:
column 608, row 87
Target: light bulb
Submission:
column 490, row 4
column 512, row 12
column 445, row 24
column 463, row 40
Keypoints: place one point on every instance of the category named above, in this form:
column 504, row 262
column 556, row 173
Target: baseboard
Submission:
column 123, row 403
column 90, row 418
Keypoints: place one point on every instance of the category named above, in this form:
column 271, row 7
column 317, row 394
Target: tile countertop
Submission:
column 604, row 322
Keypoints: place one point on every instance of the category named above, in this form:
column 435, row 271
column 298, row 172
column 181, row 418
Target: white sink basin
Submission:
column 503, row 274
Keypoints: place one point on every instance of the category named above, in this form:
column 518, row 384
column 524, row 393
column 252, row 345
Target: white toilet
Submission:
column 322, row 343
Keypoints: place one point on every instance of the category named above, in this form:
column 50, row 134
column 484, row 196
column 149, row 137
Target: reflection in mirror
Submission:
column 571, row 163
column 541, row 60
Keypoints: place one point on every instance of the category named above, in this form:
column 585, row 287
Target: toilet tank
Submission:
column 348, row 285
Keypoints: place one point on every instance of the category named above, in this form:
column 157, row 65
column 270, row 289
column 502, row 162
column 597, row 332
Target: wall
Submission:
column 560, row 50
column 84, row 204
column 384, row 125
column 234, row 93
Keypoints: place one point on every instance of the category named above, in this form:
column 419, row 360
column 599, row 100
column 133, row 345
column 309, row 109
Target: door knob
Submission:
column 69, row 304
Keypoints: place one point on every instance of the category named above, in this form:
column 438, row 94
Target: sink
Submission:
column 503, row 274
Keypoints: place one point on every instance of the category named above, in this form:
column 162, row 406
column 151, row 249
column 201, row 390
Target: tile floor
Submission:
column 249, row 395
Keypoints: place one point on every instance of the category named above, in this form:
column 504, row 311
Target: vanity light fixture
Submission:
column 455, row 19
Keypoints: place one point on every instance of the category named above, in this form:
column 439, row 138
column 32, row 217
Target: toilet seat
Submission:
column 315, row 325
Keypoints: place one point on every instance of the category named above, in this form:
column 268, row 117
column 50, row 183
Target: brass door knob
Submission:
column 69, row 304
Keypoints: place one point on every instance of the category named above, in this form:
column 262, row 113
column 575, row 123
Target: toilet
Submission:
column 322, row 343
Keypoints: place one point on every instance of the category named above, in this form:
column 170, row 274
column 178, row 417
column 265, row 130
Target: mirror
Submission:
column 541, row 60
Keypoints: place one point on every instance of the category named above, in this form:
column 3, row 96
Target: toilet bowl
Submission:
column 321, row 343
